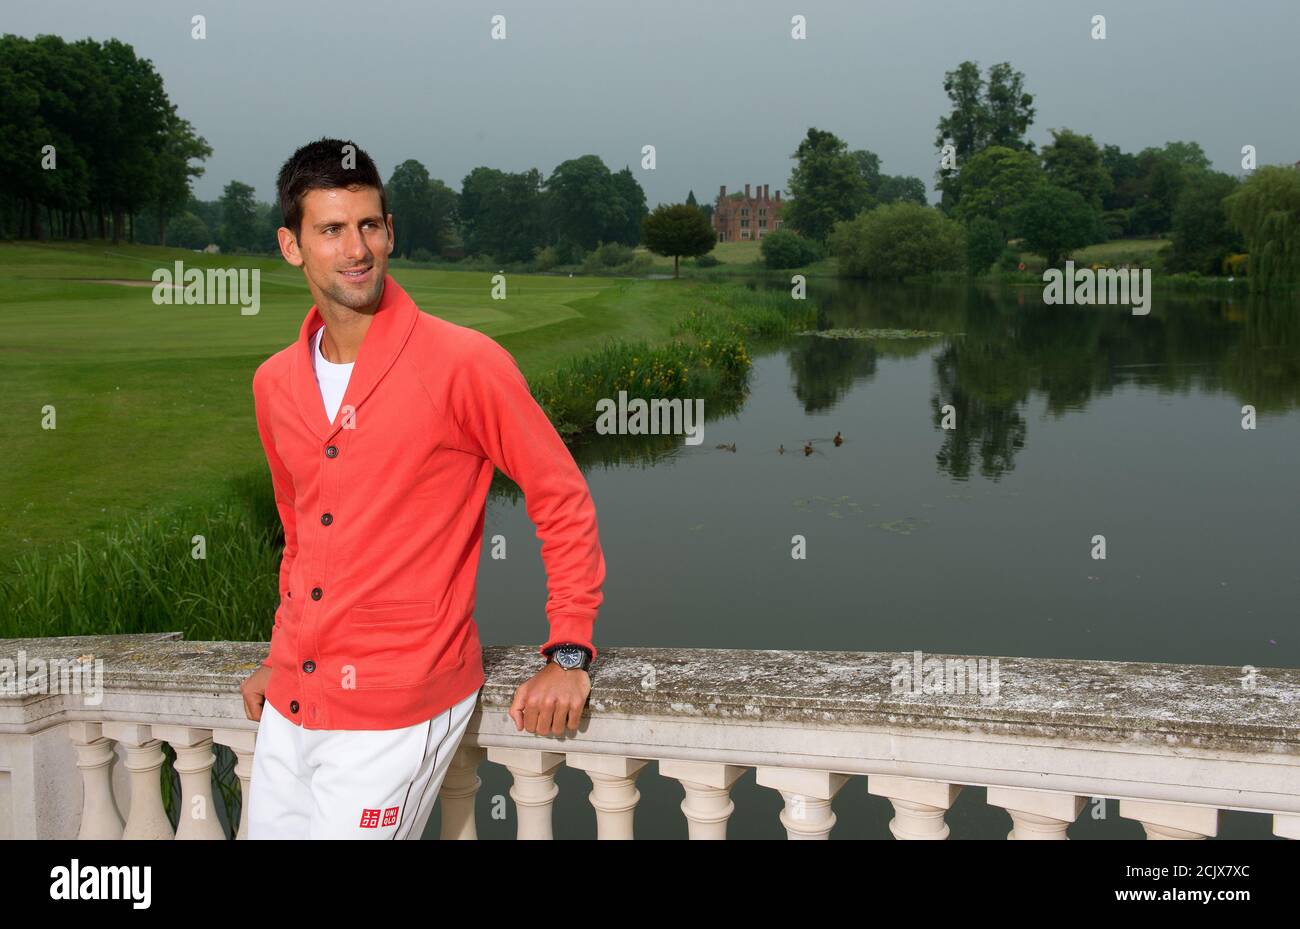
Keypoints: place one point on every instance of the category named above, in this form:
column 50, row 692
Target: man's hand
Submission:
column 253, row 690
column 551, row 701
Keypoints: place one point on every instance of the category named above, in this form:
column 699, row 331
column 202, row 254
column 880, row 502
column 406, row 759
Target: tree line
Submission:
column 996, row 188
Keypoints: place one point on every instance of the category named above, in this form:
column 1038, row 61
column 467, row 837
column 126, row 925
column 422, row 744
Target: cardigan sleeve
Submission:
column 282, row 482
column 499, row 418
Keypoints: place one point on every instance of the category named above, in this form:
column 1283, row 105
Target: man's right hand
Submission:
column 253, row 690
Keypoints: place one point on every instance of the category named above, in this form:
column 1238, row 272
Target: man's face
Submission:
column 344, row 246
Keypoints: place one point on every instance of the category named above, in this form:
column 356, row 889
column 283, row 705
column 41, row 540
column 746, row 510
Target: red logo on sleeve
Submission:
column 390, row 816
column 369, row 819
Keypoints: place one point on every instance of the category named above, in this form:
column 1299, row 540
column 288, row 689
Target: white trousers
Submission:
column 350, row 783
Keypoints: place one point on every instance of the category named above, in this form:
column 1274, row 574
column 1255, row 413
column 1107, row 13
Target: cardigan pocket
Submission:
column 392, row 643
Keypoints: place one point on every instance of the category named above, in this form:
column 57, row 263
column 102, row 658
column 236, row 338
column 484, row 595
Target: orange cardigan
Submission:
column 383, row 517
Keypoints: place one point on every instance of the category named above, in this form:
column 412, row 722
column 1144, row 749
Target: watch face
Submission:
column 569, row 657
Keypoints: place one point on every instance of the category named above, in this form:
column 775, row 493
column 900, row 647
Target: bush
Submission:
column 983, row 244
column 707, row 261
column 608, row 256
column 786, row 249
column 1009, row 260
column 896, row 241
column 568, row 252
column 1236, row 265
column 1116, row 223
column 421, row 254
column 544, row 259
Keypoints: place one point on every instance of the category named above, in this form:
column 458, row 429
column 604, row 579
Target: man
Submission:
column 382, row 426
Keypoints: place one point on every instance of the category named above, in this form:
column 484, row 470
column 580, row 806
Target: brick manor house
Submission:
column 740, row 216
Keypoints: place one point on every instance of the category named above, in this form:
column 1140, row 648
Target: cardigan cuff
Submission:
column 570, row 627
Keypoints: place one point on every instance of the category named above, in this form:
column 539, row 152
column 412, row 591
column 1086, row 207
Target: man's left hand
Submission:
column 551, row 701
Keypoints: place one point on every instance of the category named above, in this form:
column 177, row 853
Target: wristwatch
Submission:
column 569, row 656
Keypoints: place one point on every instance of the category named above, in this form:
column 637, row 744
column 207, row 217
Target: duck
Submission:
column 838, row 440
column 728, row 448
column 808, row 449
column 781, row 449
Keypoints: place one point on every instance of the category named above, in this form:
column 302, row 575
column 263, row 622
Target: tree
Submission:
column 1009, row 109
column 984, row 244
column 1054, row 221
column 894, row 241
column 590, row 205
column 995, row 182
column 1202, row 235
column 679, row 230
column 895, row 189
column 188, row 231
column 826, row 185
column 631, row 198
column 502, row 214
column 1073, row 161
column 180, row 147
column 239, row 218
column 1125, row 178
column 992, row 112
column 1266, row 211
column 868, row 169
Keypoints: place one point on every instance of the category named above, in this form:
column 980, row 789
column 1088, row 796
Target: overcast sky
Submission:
column 718, row 86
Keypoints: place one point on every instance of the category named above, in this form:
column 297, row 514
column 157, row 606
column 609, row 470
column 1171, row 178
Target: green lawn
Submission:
column 154, row 403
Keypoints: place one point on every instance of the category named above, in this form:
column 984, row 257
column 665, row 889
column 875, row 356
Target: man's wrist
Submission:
column 570, row 656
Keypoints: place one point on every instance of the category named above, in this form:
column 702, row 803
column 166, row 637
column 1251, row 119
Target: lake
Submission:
column 1070, row 423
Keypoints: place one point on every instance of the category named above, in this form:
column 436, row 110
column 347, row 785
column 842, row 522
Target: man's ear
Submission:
column 289, row 247
column 391, row 240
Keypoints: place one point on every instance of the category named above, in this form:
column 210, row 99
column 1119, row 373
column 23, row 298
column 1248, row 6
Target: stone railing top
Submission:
column 1202, row 706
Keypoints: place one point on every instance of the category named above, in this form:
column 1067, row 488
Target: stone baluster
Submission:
column 534, row 789
column 613, row 792
column 242, row 742
column 807, row 793
column 1037, row 814
column 1286, row 825
column 460, row 785
column 146, row 818
column 1172, row 820
column 919, row 806
column 194, row 759
column 708, row 804
column 100, row 818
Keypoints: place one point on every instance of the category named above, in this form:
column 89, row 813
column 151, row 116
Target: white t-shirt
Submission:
column 330, row 377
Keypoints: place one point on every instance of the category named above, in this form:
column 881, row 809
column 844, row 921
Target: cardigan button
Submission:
column 316, row 593
column 293, row 706
column 331, row 451
column 309, row 666
column 326, row 519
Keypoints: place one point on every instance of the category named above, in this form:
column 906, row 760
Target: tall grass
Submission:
column 143, row 576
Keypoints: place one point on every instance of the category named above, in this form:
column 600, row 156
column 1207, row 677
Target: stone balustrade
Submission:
column 1173, row 744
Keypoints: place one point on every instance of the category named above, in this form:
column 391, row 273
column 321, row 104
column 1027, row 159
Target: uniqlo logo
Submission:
column 369, row 819
column 390, row 816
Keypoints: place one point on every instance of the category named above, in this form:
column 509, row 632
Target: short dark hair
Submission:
column 319, row 166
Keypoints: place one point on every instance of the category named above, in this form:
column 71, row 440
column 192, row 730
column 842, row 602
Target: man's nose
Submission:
column 354, row 245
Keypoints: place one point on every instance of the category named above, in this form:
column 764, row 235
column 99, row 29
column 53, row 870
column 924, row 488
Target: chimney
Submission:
column 746, row 191
column 765, row 192
column 722, row 191
column 778, row 196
